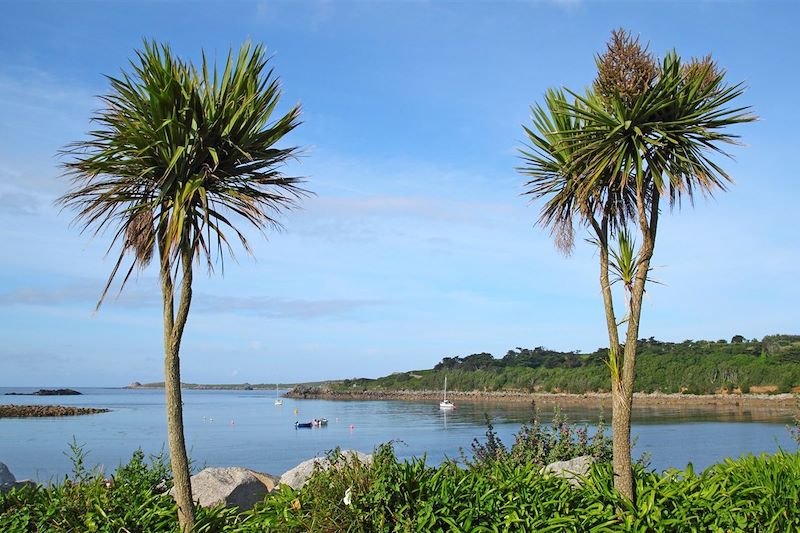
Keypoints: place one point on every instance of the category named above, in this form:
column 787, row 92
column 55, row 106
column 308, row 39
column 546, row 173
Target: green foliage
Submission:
column 130, row 501
column 786, row 348
column 748, row 494
column 180, row 153
column 794, row 429
column 538, row 444
column 696, row 367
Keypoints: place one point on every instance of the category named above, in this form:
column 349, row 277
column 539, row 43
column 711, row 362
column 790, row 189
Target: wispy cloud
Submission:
column 19, row 203
column 282, row 307
column 409, row 206
column 37, row 90
column 315, row 14
column 136, row 298
column 368, row 218
column 567, row 5
column 38, row 103
column 85, row 292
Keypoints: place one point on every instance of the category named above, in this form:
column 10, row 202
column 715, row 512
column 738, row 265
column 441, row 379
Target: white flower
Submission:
column 347, row 497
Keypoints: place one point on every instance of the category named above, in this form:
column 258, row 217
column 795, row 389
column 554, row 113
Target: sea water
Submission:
column 245, row 428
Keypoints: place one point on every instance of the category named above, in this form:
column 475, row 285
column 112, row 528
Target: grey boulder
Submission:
column 231, row 487
column 8, row 481
column 299, row 475
column 572, row 470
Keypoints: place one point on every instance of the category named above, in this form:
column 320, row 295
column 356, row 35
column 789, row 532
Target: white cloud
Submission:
column 86, row 294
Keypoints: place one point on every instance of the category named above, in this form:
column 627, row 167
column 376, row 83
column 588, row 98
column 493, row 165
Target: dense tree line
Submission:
column 691, row 366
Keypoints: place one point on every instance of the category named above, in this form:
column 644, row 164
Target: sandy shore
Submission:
column 589, row 399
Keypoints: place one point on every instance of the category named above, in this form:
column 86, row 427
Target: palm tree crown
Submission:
column 653, row 132
column 178, row 151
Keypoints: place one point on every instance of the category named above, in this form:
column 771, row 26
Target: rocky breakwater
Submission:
column 28, row 411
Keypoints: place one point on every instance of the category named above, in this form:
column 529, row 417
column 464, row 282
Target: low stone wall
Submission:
column 26, row 411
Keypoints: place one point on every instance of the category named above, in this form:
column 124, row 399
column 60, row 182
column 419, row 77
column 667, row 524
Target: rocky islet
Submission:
column 31, row 411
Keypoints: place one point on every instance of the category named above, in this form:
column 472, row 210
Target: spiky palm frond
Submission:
column 669, row 135
column 589, row 156
column 624, row 261
column 550, row 163
column 180, row 153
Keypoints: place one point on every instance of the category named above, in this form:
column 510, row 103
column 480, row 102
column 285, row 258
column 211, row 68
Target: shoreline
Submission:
column 591, row 399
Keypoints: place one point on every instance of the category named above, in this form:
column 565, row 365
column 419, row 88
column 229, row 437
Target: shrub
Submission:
column 540, row 444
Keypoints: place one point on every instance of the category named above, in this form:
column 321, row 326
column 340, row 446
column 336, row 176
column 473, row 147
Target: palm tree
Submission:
column 606, row 158
column 178, row 155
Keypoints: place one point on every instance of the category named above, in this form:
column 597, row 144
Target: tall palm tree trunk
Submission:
column 620, row 401
column 622, row 394
column 173, row 332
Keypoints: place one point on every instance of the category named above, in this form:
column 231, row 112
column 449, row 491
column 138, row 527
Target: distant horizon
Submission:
column 302, row 382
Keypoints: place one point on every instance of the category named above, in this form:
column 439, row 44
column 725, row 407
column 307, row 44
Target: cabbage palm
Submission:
column 645, row 132
column 178, row 156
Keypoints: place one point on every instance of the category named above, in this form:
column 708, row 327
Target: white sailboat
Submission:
column 445, row 403
column 278, row 400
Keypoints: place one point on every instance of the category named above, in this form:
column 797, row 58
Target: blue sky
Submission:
column 418, row 244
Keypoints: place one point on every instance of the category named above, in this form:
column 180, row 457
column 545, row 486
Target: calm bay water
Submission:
column 245, row 428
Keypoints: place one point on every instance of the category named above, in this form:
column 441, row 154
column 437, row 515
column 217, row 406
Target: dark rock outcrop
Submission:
column 46, row 392
column 56, row 392
column 26, row 411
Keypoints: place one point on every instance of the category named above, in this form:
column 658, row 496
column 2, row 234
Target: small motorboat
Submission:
column 315, row 423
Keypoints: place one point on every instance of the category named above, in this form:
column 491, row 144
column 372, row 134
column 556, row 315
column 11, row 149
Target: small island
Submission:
column 47, row 392
column 35, row 411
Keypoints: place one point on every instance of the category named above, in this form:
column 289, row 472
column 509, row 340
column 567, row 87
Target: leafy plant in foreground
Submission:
column 536, row 443
column 752, row 493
